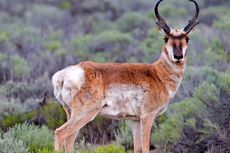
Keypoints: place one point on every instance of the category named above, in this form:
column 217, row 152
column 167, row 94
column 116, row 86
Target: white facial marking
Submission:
column 66, row 82
column 176, row 32
column 179, row 31
column 170, row 53
column 122, row 100
column 170, row 63
column 184, row 50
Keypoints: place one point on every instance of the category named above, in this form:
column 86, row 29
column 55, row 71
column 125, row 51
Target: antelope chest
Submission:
column 122, row 101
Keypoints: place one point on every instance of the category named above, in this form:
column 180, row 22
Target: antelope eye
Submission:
column 166, row 39
column 187, row 39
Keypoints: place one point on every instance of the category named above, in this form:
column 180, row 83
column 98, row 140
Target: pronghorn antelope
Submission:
column 138, row 92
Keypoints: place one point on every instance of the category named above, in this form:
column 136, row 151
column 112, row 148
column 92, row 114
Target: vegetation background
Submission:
column 39, row 37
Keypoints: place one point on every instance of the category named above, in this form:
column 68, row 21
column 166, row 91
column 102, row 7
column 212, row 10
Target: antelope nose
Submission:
column 178, row 57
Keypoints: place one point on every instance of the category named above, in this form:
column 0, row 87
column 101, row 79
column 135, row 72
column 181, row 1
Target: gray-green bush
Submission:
column 11, row 145
column 34, row 137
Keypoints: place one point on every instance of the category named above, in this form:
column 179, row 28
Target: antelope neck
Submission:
column 169, row 73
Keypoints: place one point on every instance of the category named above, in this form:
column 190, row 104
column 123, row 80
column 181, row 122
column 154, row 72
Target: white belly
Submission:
column 122, row 101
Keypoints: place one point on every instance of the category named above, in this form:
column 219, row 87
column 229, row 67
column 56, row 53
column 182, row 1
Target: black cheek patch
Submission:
column 166, row 39
column 187, row 39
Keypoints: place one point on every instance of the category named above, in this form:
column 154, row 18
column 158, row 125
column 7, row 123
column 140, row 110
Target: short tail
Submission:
column 57, row 81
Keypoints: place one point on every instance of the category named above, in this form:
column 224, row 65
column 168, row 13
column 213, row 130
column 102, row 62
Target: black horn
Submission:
column 193, row 22
column 160, row 21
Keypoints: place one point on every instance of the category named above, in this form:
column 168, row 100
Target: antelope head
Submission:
column 176, row 40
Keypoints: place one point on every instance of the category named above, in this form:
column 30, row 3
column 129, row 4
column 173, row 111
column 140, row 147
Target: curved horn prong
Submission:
column 160, row 21
column 193, row 22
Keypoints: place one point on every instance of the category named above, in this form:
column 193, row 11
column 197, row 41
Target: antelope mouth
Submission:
column 178, row 61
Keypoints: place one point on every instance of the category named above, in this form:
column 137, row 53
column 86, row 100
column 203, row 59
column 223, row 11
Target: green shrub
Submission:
column 85, row 151
column 216, row 52
column 185, row 108
column 42, row 15
column 212, row 14
column 100, row 25
column 192, row 73
column 10, row 107
column 224, row 82
column 211, row 50
column 53, row 45
column 124, row 135
column 11, row 145
column 65, row 5
column 34, row 137
column 20, row 66
column 209, row 128
column 2, row 57
column 184, row 114
column 208, row 93
column 14, row 89
column 112, row 42
column 99, row 57
column 110, row 149
column 169, row 132
column 194, row 76
column 99, row 131
column 191, row 122
column 110, row 38
column 26, row 33
column 54, row 115
column 152, row 45
column 132, row 20
column 200, row 113
column 113, row 38
column 13, row 112
column 23, row 90
column 4, row 36
column 167, row 10
column 80, row 45
column 46, row 150
column 198, row 45
column 13, row 119
column 222, row 22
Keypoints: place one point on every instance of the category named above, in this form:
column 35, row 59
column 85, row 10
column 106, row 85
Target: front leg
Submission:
column 145, row 130
column 136, row 129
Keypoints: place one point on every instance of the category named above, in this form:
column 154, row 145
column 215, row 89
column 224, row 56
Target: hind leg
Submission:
column 69, row 142
column 69, row 130
column 67, row 111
